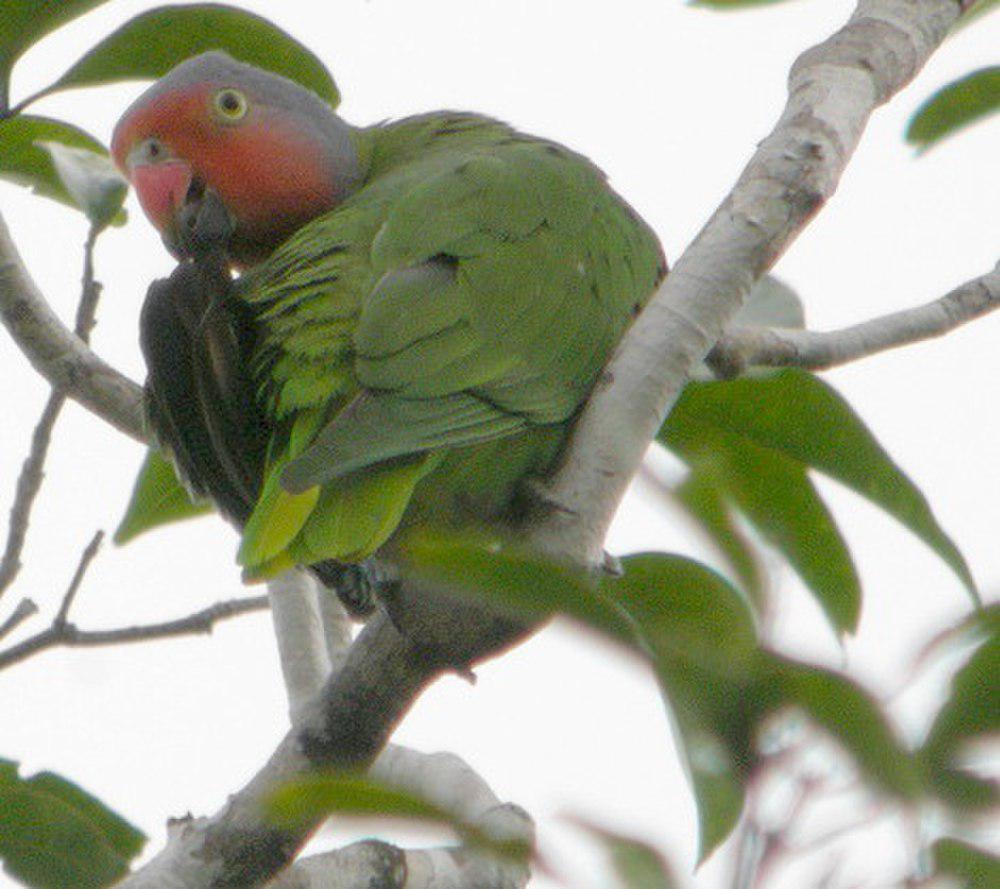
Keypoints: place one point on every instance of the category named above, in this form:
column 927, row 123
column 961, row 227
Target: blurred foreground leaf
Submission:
column 971, row 713
column 26, row 158
column 974, row 868
column 91, row 180
column 312, row 797
column 635, row 864
column 54, row 835
column 954, row 107
column 697, row 632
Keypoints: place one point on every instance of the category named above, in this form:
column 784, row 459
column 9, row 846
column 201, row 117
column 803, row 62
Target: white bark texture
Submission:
column 748, row 347
column 833, row 89
column 301, row 636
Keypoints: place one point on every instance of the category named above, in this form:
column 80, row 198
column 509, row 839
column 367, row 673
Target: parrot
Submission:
column 371, row 328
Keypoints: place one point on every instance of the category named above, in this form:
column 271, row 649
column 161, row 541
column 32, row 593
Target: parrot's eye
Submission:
column 231, row 104
column 151, row 150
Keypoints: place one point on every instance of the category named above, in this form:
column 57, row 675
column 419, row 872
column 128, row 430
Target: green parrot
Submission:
column 371, row 328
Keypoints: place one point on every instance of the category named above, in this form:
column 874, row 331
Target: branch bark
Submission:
column 748, row 347
column 59, row 355
column 833, row 89
column 29, row 482
column 69, row 635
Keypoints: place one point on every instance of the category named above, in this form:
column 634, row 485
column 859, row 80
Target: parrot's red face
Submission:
column 274, row 154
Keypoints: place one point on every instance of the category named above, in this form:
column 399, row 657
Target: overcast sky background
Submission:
column 670, row 101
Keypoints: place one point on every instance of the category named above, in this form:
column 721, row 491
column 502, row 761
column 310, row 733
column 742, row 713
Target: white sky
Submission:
column 671, row 102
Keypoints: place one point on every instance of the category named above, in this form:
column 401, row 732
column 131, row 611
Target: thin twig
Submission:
column 25, row 609
column 74, row 585
column 817, row 350
column 70, row 636
column 29, row 482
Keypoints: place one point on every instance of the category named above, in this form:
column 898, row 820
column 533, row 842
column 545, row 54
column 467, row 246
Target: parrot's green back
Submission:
column 423, row 348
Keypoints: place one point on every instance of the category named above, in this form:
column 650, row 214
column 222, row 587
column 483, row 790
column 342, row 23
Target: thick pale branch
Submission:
column 833, row 89
column 58, row 354
column 815, row 350
column 374, row 863
column 305, row 664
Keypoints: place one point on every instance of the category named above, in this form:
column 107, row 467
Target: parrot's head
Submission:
column 273, row 153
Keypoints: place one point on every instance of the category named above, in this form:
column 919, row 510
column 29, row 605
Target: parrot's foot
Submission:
column 357, row 586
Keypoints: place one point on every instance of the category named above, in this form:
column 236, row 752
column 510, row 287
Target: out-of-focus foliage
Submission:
column 309, row 798
column 54, row 835
column 634, row 864
column 25, row 161
column 91, row 180
column 955, row 106
column 699, row 635
column 971, row 713
column 973, row 867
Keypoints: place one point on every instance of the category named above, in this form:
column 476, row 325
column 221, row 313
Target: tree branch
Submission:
column 68, row 635
column 770, row 347
column 60, row 356
column 302, row 650
column 833, row 90
column 29, row 482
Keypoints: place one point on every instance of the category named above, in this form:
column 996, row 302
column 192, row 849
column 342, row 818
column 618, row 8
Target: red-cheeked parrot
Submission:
column 422, row 307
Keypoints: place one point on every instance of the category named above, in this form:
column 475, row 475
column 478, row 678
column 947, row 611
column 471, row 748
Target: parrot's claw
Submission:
column 357, row 586
column 205, row 225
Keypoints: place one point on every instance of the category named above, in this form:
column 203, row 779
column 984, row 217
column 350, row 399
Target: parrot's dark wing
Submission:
column 199, row 394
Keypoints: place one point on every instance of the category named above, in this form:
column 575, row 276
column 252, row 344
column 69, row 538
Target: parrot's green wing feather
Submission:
column 476, row 267
column 471, row 290
column 377, row 427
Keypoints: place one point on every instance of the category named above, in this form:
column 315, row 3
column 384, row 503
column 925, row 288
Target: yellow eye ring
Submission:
column 230, row 104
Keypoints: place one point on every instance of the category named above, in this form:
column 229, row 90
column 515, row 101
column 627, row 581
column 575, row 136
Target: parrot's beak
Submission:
column 162, row 189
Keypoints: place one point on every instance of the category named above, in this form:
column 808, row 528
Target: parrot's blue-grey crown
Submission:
column 272, row 151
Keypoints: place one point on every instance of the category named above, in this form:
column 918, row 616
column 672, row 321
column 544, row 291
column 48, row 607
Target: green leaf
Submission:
column 972, row 711
column 24, row 160
column 774, row 492
column 702, row 497
column 733, row 5
column 25, row 22
column 955, row 106
column 698, row 632
column 794, row 416
column 158, row 498
column 853, row 718
column 312, row 797
column 635, row 864
column 91, row 180
column 149, row 45
column 510, row 579
column 974, row 867
column 702, row 639
column 53, row 834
